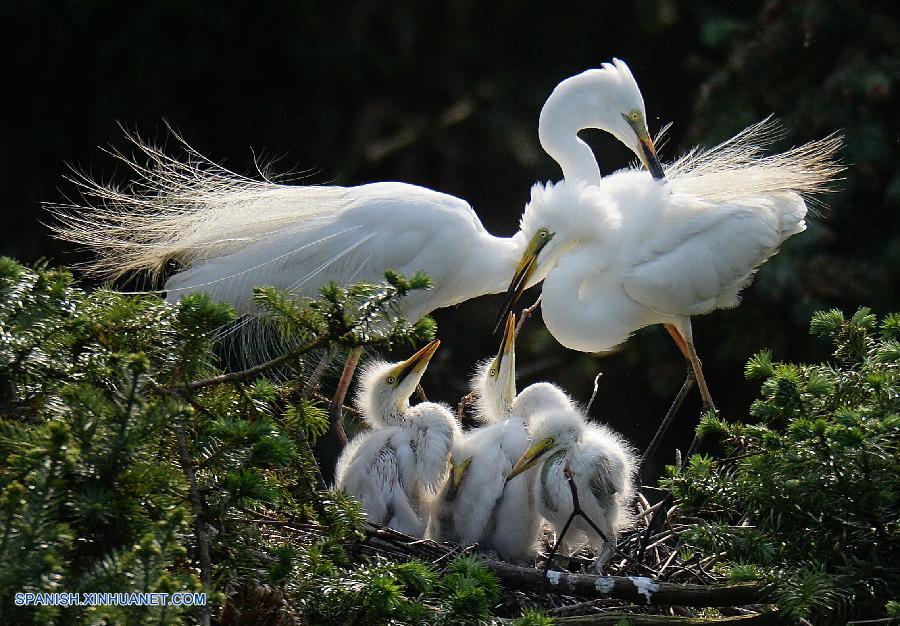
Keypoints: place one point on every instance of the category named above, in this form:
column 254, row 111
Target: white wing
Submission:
column 368, row 469
column 700, row 255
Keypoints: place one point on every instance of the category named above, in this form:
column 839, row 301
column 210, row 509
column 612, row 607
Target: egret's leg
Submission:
column 684, row 340
column 667, row 420
column 336, row 408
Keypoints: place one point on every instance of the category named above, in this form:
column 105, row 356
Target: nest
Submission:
column 650, row 579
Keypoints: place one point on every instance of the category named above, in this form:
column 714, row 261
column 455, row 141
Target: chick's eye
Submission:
column 551, row 440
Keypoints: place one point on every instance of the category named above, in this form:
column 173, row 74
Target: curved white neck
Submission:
column 569, row 109
column 560, row 140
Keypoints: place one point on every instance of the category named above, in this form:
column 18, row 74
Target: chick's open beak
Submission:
column 508, row 344
column 417, row 363
column 529, row 459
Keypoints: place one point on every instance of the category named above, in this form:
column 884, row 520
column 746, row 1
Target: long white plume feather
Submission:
column 737, row 167
column 183, row 211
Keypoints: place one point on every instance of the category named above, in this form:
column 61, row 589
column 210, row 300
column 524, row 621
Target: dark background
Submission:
column 447, row 95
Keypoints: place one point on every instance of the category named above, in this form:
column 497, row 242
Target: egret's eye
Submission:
column 542, row 233
column 493, row 371
column 391, row 379
column 635, row 116
column 551, row 441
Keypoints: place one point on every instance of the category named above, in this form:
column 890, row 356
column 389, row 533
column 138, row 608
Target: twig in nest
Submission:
column 526, row 313
column 312, row 383
column 590, row 403
column 464, row 402
column 576, row 510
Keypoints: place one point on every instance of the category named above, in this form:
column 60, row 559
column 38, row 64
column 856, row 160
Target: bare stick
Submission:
column 199, row 529
column 335, row 411
column 253, row 372
column 464, row 402
column 312, row 383
column 576, row 510
column 526, row 313
column 624, row 588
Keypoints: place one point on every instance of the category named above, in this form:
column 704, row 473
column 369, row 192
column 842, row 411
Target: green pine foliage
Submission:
column 807, row 494
column 129, row 463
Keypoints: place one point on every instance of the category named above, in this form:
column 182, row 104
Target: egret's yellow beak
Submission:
column 651, row 161
column 417, row 363
column 524, row 271
column 647, row 150
column 531, row 457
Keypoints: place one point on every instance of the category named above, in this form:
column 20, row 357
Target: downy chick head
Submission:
column 385, row 388
column 552, row 431
column 494, row 382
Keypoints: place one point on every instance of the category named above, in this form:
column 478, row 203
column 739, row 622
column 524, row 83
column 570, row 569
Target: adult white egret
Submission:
column 602, row 465
column 636, row 252
column 229, row 233
column 477, row 505
column 393, row 468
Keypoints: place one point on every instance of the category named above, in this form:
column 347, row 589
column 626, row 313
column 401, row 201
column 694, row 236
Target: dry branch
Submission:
column 634, row 589
column 767, row 616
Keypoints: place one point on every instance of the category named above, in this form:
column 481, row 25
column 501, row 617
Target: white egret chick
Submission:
column 602, row 465
column 393, row 468
column 477, row 505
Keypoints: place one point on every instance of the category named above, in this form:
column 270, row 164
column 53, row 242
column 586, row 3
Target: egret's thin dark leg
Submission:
column 336, row 408
column 667, row 420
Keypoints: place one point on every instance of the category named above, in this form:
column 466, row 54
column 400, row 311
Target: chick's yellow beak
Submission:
column 417, row 363
column 458, row 471
column 508, row 344
column 530, row 458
